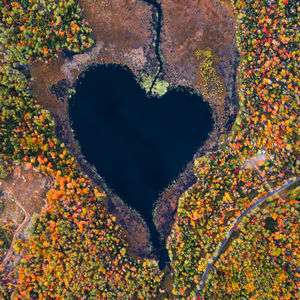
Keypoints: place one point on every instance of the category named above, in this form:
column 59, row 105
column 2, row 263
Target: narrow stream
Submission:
column 157, row 19
column 138, row 144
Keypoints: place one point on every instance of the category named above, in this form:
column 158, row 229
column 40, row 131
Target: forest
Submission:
column 267, row 39
column 76, row 248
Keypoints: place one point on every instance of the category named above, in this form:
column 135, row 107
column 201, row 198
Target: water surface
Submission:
column 138, row 144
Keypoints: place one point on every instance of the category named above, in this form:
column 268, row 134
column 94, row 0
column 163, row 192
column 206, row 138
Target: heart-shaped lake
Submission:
column 138, row 144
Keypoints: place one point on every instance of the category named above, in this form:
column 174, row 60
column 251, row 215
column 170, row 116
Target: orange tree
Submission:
column 76, row 248
column 41, row 28
column 267, row 39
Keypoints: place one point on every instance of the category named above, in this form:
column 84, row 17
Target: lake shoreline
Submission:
column 49, row 75
column 131, row 220
column 140, row 246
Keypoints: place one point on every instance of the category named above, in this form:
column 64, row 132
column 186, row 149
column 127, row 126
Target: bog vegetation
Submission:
column 78, row 249
column 210, row 80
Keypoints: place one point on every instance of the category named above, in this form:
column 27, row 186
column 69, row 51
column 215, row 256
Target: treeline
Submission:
column 267, row 123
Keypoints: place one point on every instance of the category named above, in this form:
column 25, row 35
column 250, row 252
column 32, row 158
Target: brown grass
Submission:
column 25, row 191
column 28, row 187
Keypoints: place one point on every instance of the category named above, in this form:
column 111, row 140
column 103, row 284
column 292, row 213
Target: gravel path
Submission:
column 235, row 224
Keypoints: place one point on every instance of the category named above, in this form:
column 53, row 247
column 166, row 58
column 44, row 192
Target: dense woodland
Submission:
column 269, row 86
column 76, row 247
column 77, row 250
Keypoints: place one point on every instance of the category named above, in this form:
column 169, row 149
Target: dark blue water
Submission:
column 157, row 17
column 138, row 144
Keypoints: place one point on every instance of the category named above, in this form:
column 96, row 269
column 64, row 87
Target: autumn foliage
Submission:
column 262, row 263
column 267, row 121
column 78, row 250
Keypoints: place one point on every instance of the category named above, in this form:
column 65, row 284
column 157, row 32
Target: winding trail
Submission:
column 20, row 227
column 157, row 41
column 235, row 224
